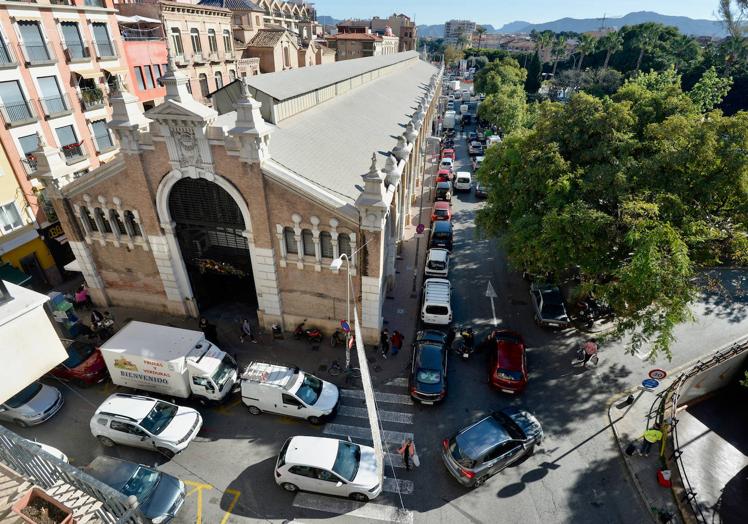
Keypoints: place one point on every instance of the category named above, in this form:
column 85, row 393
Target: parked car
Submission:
column 446, row 163
column 449, row 153
column 437, row 263
column 32, row 405
column 550, row 310
column 160, row 495
column 443, row 175
column 441, row 235
column 329, row 466
column 472, row 136
column 443, row 191
column 436, row 306
column 427, row 382
column 477, row 162
column 145, row 422
column 441, row 211
column 56, row 453
column 507, row 370
column 483, row 449
column 463, row 181
column 84, row 366
column 450, row 105
column 480, row 191
column 475, row 148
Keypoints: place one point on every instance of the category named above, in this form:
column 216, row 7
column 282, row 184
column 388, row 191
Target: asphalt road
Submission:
column 575, row 476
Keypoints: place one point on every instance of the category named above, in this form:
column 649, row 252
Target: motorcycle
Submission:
column 313, row 335
column 466, row 346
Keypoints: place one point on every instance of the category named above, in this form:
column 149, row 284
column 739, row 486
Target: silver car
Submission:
column 32, row 405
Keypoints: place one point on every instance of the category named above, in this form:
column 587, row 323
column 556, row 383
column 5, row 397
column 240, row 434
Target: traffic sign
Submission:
column 650, row 383
column 420, row 228
column 657, row 374
column 346, row 327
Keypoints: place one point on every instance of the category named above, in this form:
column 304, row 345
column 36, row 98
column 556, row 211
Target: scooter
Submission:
column 313, row 335
column 466, row 345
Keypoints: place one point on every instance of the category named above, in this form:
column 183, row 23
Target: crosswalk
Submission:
column 396, row 414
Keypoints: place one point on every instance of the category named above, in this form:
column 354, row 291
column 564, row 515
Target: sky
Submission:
column 500, row 12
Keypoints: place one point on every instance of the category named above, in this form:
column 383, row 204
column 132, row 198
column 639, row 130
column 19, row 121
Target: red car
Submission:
column 508, row 367
column 443, row 175
column 441, row 211
column 84, row 366
column 449, row 153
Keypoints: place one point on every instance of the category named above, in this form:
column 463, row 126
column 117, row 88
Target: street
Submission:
column 575, row 476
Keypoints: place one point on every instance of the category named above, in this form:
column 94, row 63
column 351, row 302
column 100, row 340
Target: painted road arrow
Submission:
column 491, row 293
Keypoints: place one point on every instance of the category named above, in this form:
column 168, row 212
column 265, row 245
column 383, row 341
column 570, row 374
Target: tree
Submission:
column 462, row 40
column 544, row 42
column 481, row 31
column 733, row 19
column 504, row 71
column 646, row 40
column 532, row 84
column 558, row 51
column 506, row 109
column 611, row 43
column 587, row 46
column 452, row 55
column 710, row 90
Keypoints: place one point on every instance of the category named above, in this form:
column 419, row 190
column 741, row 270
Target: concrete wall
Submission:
column 712, row 379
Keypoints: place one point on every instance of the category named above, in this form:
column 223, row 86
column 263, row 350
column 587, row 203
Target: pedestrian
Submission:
column 96, row 317
column 82, row 298
column 384, row 343
column 408, row 452
column 246, row 331
column 209, row 330
column 397, row 342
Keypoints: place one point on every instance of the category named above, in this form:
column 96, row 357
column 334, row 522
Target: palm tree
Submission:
column 558, row 51
column 646, row 40
column 587, row 45
column 462, row 40
column 612, row 43
column 544, row 41
column 481, row 31
column 735, row 51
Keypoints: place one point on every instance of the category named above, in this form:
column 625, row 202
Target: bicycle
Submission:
column 592, row 362
column 350, row 373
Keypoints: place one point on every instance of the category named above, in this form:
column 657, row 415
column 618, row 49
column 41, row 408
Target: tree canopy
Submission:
column 505, row 106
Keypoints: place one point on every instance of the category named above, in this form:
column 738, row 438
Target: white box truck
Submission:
column 454, row 86
column 449, row 120
column 170, row 361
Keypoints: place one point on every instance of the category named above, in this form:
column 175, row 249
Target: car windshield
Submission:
column 347, row 460
column 463, row 461
column 141, row 484
column 224, row 371
column 159, row 417
column 553, row 310
column 310, row 390
column 77, row 354
column 441, row 212
column 437, row 310
column 463, row 180
column 510, row 426
column 508, row 374
column 428, row 376
column 441, row 235
column 23, row 396
column 436, row 264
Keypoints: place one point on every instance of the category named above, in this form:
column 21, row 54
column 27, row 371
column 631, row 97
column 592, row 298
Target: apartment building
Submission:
column 293, row 15
column 402, row 27
column 359, row 45
column 456, row 28
column 146, row 53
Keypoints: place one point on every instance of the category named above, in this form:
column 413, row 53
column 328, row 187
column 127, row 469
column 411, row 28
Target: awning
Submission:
column 73, row 266
column 88, row 73
column 137, row 19
column 13, row 275
column 116, row 70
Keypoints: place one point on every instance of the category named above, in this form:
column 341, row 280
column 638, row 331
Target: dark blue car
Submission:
column 441, row 235
column 428, row 367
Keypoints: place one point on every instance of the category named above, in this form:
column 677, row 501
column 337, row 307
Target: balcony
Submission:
column 7, row 56
column 37, row 54
column 106, row 50
column 77, row 52
column 17, row 114
column 55, row 106
column 91, row 99
column 228, row 56
column 214, row 57
column 74, row 153
column 182, row 59
column 199, row 58
column 29, row 164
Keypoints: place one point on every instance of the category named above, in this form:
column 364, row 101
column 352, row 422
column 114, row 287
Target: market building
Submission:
column 250, row 207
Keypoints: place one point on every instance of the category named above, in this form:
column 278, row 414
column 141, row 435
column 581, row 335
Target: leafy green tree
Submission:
column 587, row 46
column 557, row 51
column 611, row 43
column 480, row 30
column 504, row 71
column 710, row 90
column 532, row 84
column 646, row 40
column 506, row 108
column 543, row 44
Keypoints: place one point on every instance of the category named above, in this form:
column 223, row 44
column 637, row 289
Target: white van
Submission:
column 437, row 263
column 288, row 391
column 463, row 181
column 446, row 163
column 437, row 301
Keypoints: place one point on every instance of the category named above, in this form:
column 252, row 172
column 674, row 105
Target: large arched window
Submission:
column 232, row 75
column 176, row 40
column 102, row 219
column 227, row 40
column 132, row 224
column 116, row 220
column 204, row 90
column 344, row 243
column 286, row 58
column 289, row 237
column 325, row 241
column 195, row 38
column 219, row 80
column 307, row 240
column 212, row 41
column 88, row 222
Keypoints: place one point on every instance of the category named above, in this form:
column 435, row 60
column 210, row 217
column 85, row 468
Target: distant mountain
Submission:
column 686, row 25
column 430, row 31
column 328, row 20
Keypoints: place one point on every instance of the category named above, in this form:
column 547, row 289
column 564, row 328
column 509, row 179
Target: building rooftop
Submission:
column 239, row 5
column 356, row 36
column 268, row 37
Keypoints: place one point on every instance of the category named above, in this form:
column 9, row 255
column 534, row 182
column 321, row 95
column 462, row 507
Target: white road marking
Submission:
column 339, row 506
column 402, row 486
column 395, row 438
column 389, row 398
column 399, row 382
column 393, row 459
column 386, row 416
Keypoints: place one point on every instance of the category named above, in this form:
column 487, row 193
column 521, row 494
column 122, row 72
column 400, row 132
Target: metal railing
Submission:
column 47, row 472
column 95, row 3
column 73, row 153
column 77, row 51
column 91, row 99
column 55, row 105
column 17, row 113
column 7, row 56
column 106, row 50
column 30, row 164
column 199, row 57
column 37, row 53
column 214, row 57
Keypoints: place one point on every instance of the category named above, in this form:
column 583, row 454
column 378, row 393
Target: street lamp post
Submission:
column 337, row 264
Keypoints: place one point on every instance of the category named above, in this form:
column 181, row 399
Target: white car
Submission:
column 329, row 466
column 56, row 453
column 437, row 263
column 446, row 163
column 145, row 422
column 463, row 181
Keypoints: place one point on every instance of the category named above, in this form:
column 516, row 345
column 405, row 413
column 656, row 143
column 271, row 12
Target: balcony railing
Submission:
column 37, row 54
column 7, row 56
column 213, row 56
column 29, row 164
column 92, row 99
column 17, row 113
column 54, row 106
column 77, row 52
column 95, row 3
column 229, row 55
column 199, row 58
column 106, row 50
column 73, row 153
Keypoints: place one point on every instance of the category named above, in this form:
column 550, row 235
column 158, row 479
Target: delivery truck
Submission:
column 454, row 86
column 449, row 120
column 171, row 361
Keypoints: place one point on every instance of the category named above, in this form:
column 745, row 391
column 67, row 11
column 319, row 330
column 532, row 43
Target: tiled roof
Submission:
column 246, row 5
column 356, row 36
column 266, row 38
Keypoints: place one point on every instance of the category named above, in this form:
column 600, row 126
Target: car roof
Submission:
column 317, row 452
column 482, row 436
column 438, row 254
column 131, row 406
column 510, row 354
column 443, row 172
column 429, row 355
column 440, row 204
column 443, row 225
column 112, row 471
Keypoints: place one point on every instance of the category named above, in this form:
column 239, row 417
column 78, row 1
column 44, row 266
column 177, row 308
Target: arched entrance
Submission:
column 210, row 229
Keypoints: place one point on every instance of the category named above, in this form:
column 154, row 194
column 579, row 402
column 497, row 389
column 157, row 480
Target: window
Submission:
column 286, row 57
column 87, row 219
column 289, row 237
column 149, row 77
column 5, row 56
column 51, row 99
column 116, row 425
column 290, row 400
column 189, row 86
column 204, row 90
column 102, row 219
column 15, row 107
column 66, row 136
column 101, row 135
column 195, row 37
column 131, row 224
column 344, row 243
column 176, row 41
column 158, row 73
column 212, row 41
column 257, row 20
column 29, row 144
column 307, row 240
column 219, row 80
column 227, row 40
column 10, row 218
column 115, row 219
column 33, row 41
column 325, row 240
column 303, row 471
column 139, row 76
column 103, row 42
column 73, row 41
column 232, row 75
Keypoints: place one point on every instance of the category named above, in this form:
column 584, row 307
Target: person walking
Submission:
column 384, row 343
column 408, row 452
column 397, row 342
column 246, row 331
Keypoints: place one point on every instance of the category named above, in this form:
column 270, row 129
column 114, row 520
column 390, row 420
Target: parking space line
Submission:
column 368, row 510
column 233, row 502
column 392, row 437
column 386, row 416
column 197, row 487
column 390, row 398
column 399, row 381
